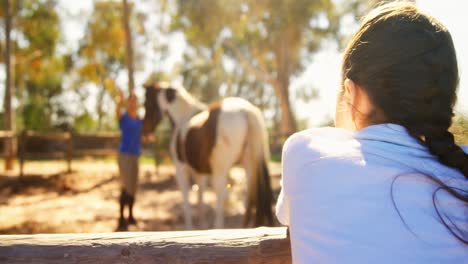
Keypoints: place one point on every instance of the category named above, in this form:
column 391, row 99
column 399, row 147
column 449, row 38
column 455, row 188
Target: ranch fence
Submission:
column 259, row 245
column 68, row 145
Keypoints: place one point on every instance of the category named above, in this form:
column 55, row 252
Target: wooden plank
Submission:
column 50, row 135
column 45, row 155
column 5, row 134
column 260, row 245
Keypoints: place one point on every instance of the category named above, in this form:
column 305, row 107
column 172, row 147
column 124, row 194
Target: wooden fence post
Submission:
column 22, row 151
column 69, row 151
column 156, row 153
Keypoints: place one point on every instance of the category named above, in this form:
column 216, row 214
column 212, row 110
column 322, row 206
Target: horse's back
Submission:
column 235, row 104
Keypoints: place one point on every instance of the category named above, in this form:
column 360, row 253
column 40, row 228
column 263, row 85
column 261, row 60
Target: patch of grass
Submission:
column 276, row 157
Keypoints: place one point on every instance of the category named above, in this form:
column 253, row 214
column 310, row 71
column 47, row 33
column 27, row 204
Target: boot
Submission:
column 131, row 200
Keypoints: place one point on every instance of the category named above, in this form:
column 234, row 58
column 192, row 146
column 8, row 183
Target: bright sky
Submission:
column 323, row 73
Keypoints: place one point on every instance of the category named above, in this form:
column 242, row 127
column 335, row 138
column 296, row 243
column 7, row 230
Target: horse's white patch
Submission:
column 198, row 119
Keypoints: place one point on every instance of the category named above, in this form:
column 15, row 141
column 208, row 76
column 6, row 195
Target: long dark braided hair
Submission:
column 406, row 62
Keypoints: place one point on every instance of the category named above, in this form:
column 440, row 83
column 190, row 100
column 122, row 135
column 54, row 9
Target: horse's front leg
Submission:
column 182, row 179
column 183, row 183
column 202, row 181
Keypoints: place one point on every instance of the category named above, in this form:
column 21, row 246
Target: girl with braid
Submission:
column 388, row 184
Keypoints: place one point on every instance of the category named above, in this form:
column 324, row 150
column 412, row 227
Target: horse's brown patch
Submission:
column 153, row 114
column 200, row 141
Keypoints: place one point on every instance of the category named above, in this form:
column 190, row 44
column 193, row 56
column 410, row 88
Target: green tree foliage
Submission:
column 102, row 52
column 38, row 70
column 84, row 123
column 39, row 23
column 101, row 56
column 203, row 74
column 460, row 129
column 206, row 75
column 43, row 84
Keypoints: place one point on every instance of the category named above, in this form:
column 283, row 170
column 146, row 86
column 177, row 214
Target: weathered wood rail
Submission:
column 233, row 246
column 65, row 137
column 67, row 145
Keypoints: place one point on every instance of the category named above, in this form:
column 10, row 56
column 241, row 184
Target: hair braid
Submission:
column 443, row 146
column 406, row 62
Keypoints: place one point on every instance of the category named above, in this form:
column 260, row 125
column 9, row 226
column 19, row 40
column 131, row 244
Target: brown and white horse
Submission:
column 207, row 141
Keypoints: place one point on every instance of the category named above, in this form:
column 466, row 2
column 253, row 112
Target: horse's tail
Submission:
column 260, row 196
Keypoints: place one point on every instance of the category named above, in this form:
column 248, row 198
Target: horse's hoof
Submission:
column 122, row 226
column 132, row 221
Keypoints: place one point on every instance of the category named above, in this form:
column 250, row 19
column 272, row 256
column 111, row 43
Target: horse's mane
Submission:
column 189, row 98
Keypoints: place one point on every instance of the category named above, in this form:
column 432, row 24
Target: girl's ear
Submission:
column 350, row 91
column 358, row 97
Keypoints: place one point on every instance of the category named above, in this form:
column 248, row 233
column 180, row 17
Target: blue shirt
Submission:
column 130, row 139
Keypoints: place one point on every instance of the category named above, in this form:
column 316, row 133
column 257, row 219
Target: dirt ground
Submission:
column 47, row 200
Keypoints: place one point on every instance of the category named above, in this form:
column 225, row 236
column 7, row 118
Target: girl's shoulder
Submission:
column 321, row 132
column 315, row 144
column 318, row 140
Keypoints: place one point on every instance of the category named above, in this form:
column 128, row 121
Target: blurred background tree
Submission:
column 271, row 40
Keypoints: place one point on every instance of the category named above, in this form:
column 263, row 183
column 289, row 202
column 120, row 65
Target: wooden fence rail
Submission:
column 65, row 137
column 67, row 145
column 260, row 245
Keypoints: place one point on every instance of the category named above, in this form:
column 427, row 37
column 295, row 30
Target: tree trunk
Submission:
column 9, row 114
column 128, row 35
column 283, row 60
column 100, row 108
column 288, row 122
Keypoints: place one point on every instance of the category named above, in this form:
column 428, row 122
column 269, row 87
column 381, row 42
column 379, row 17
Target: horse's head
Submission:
column 158, row 96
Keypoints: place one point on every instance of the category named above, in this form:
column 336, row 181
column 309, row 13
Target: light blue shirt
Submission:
column 337, row 191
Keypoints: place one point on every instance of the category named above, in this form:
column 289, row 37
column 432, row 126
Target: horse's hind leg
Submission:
column 219, row 184
column 247, row 162
column 183, row 183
